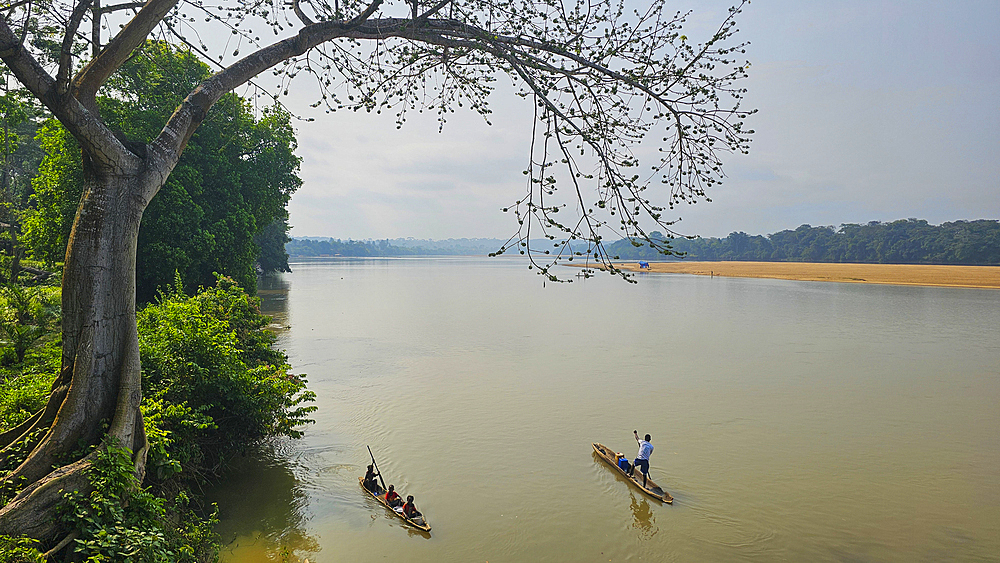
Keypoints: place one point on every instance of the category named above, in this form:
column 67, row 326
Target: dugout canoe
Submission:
column 419, row 522
column 651, row 488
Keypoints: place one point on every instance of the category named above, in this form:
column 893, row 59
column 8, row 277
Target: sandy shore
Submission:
column 985, row 277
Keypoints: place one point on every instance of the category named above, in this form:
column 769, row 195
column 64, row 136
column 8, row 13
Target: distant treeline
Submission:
column 910, row 241
column 337, row 247
column 305, row 247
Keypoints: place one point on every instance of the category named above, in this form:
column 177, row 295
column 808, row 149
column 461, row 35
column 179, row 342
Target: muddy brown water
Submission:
column 791, row 420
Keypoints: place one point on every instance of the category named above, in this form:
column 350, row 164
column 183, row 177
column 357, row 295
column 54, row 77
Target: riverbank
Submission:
column 980, row 277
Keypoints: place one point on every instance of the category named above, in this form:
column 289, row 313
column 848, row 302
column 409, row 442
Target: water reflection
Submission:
column 273, row 293
column 644, row 521
column 263, row 484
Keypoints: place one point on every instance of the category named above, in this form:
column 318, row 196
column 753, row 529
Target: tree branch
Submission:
column 363, row 16
column 95, row 29
column 92, row 135
column 90, row 79
column 24, row 66
column 66, row 52
column 15, row 5
column 443, row 32
column 124, row 6
column 434, row 9
column 300, row 14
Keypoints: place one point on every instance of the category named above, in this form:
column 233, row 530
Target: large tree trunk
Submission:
column 99, row 381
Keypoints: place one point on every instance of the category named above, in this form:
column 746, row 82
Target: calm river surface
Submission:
column 795, row 421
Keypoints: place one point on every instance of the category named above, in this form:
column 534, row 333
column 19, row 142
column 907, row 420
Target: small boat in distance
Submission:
column 418, row 522
column 651, row 488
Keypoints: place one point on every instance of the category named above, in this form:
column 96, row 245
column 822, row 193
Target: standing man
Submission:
column 642, row 458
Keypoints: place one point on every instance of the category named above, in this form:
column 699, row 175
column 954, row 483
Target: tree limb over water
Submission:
column 601, row 77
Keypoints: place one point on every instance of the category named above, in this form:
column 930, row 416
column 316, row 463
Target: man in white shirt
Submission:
column 642, row 458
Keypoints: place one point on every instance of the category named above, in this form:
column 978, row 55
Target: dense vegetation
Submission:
column 223, row 207
column 213, row 385
column 910, row 241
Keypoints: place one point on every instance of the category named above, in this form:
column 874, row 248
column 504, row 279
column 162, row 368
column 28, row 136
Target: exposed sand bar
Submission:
column 985, row 277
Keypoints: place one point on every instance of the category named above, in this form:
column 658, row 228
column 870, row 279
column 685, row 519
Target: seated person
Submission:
column 409, row 509
column 392, row 497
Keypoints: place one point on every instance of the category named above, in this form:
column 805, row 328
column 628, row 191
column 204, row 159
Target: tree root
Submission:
column 15, row 434
column 31, row 512
column 40, row 419
column 50, row 554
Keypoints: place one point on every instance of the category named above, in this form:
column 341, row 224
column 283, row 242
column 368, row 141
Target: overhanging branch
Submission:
column 90, row 79
column 66, row 52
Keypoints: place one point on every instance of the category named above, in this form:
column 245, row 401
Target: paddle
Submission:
column 376, row 468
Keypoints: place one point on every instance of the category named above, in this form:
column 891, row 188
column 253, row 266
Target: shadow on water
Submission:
column 262, row 484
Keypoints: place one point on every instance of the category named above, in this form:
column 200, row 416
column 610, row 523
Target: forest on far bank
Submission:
column 907, row 241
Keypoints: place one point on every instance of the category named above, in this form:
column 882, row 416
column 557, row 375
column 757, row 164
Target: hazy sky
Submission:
column 868, row 111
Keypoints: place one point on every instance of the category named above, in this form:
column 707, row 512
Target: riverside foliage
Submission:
column 213, row 385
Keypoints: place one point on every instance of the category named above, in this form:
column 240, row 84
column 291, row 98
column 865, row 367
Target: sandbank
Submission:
column 981, row 277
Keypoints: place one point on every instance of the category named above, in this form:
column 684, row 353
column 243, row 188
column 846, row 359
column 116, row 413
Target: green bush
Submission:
column 213, row 383
column 19, row 550
column 28, row 314
column 25, row 386
column 122, row 522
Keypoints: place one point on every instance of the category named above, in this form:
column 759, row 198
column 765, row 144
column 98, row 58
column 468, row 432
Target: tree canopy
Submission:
column 232, row 182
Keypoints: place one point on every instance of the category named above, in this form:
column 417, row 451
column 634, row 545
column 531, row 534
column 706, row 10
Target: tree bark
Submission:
column 99, row 381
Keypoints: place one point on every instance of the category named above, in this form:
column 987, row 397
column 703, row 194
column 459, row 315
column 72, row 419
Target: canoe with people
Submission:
column 389, row 498
column 627, row 469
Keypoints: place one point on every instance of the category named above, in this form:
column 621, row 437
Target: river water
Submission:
column 796, row 421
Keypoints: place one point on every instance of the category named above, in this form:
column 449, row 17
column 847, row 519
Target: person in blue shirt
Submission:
column 642, row 458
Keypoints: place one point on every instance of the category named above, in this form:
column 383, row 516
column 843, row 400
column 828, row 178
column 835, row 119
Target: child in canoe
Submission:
column 409, row 509
column 392, row 497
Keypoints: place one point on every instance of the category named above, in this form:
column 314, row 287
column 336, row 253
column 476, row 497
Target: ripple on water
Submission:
column 805, row 422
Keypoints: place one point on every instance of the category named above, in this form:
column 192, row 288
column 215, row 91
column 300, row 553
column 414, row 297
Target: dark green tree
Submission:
column 271, row 241
column 19, row 157
column 232, row 182
column 907, row 241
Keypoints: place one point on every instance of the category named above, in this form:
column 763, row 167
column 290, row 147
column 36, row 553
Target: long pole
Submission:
column 376, row 468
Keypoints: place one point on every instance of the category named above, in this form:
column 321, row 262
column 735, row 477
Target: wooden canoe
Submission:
column 419, row 522
column 651, row 488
